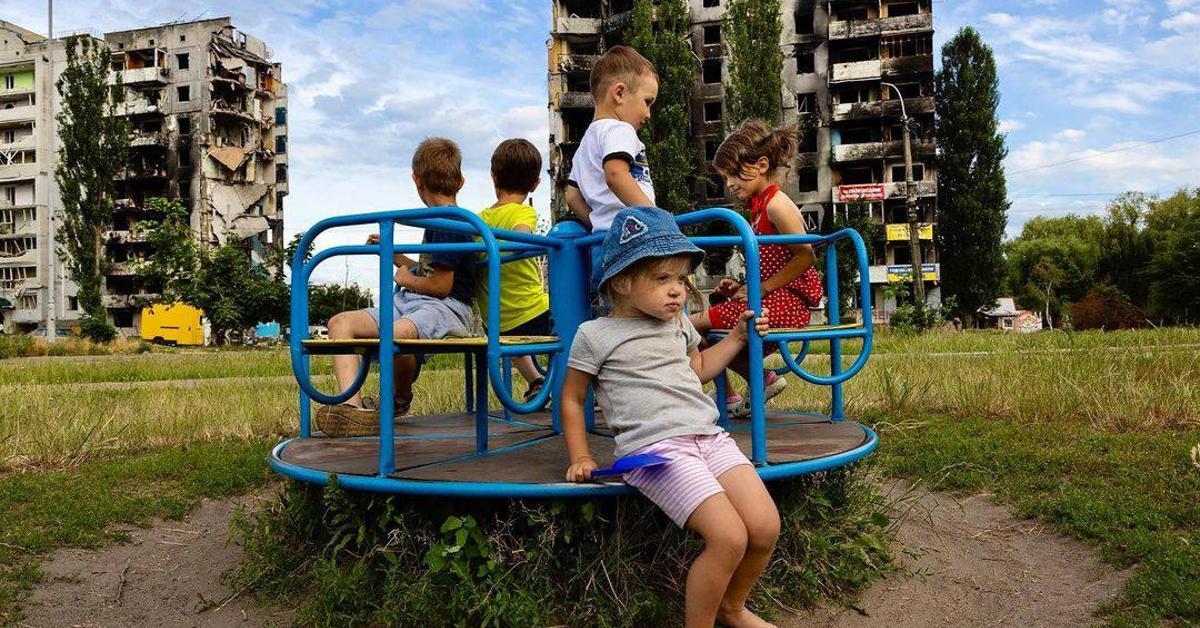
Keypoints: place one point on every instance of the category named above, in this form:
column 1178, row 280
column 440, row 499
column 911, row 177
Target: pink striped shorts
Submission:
column 680, row 486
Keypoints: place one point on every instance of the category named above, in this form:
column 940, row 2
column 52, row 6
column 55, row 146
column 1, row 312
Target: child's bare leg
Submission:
column 406, row 365
column 526, row 368
column 349, row 326
column 757, row 510
column 718, row 522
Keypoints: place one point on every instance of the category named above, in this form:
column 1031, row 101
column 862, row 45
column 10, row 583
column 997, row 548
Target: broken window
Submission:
column 281, row 173
column 185, row 125
column 182, row 61
column 281, row 143
column 122, row 318
column 852, row 13
column 72, row 303
column 854, row 54
column 27, row 302
column 808, row 141
column 10, row 136
column 710, row 149
column 848, row 95
column 708, row 4
column 806, row 180
column 857, row 176
column 806, row 103
column 907, row 46
column 712, row 111
column 910, row 90
column 10, row 81
column 712, row 71
column 10, row 196
column 805, row 63
column 918, row 173
column 804, row 23
column 184, row 93
column 903, row 8
column 281, row 115
column 712, row 34
column 859, row 135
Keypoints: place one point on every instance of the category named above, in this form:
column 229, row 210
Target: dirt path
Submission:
column 976, row 566
column 168, row 575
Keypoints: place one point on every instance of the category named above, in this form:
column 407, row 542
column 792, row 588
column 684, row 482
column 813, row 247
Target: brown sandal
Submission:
column 345, row 420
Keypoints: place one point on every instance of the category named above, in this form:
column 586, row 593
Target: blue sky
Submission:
column 368, row 80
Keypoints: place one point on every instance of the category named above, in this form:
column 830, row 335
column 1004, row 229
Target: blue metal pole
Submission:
column 305, row 404
column 469, row 380
column 481, row 405
column 722, row 400
column 387, row 348
column 506, row 363
column 836, row 409
column 569, row 300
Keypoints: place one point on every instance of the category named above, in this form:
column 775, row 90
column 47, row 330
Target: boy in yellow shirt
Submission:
column 524, row 304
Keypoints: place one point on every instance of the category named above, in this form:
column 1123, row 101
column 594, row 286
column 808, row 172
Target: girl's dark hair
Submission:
column 753, row 140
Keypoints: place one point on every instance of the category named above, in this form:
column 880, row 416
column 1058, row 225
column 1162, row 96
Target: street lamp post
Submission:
column 51, row 302
column 910, row 203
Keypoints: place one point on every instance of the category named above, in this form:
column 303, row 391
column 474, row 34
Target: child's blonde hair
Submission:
column 643, row 268
column 753, row 140
column 619, row 64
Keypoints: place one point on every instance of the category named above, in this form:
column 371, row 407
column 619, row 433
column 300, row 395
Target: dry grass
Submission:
column 44, row 421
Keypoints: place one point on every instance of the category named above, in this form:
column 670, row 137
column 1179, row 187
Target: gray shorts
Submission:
column 433, row 318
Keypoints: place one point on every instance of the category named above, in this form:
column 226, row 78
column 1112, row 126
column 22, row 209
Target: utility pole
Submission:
column 910, row 203
column 51, row 302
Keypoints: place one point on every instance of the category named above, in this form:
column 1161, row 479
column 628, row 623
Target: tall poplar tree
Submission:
column 667, row 135
column 93, row 147
column 755, row 86
column 972, row 200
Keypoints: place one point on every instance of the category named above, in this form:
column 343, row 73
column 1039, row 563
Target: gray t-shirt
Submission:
column 644, row 380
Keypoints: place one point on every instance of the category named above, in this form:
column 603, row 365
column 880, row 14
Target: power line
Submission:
column 1107, row 152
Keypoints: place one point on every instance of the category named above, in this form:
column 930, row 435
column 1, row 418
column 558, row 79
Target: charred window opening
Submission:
column 182, row 61
column 918, row 173
column 708, row 4
column 804, row 23
column 806, row 103
column 712, row 111
column 854, row 54
column 907, row 46
column 805, row 62
column 712, row 71
column 857, row 176
column 806, row 180
column 184, row 93
column 860, row 135
column 712, row 34
column 903, row 8
column 710, row 149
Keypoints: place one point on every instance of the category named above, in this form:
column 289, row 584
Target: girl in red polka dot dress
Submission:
column 751, row 159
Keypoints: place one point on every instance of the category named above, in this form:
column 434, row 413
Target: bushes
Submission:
column 394, row 560
column 1105, row 307
column 26, row 346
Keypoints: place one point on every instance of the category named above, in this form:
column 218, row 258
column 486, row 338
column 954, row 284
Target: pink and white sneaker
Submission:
column 773, row 385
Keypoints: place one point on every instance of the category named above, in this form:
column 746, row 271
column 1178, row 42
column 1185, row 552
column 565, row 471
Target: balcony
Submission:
column 858, row 152
column 895, row 148
column 897, row 189
column 152, row 139
column 127, row 300
column 576, row 63
column 125, row 236
column 138, row 107
column 915, row 64
column 123, row 269
column 19, row 113
column 577, row 26
column 857, row 110
column 856, row 71
column 576, row 100
column 914, row 106
column 141, row 76
column 850, row 29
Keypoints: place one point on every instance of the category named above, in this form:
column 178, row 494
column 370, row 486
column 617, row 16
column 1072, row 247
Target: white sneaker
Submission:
column 774, row 385
column 732, row 402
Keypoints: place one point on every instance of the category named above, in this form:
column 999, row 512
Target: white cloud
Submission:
column 1010, row 124
column 1000, row 19
column 1186, row 21
column 1176, row 5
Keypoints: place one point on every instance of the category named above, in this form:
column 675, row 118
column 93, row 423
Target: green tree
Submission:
column 1127, row 246
column 660, row 32
column 972, row 201
column 325, row 300
column 171, row 270
column 1054, row 263
column 93, row 148
column 1173, row 270
column 755, row 89
column 234, row 293
column 858, row 217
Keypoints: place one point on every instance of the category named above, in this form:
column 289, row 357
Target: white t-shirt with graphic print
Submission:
column 608, row 139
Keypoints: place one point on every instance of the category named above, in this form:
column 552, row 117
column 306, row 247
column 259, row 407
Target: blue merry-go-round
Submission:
column 517, row 450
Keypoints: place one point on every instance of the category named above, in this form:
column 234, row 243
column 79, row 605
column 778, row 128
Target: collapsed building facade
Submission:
column 838, row 55
column 207, row 110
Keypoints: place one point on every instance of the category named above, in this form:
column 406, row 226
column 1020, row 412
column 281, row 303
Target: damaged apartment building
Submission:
column 838, row 55
column 207, row 110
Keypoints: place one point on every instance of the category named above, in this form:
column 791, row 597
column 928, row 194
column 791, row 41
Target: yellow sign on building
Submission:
column 903, row 272
column 899, row 231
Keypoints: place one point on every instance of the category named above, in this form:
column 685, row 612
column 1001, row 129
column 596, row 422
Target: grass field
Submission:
column 1089, row 432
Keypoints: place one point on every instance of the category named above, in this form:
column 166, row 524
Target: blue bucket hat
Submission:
column 640, row 232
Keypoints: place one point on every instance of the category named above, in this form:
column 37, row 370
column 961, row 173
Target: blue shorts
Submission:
column 433, row 318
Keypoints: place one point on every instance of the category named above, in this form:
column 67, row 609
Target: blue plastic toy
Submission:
column 516, row 450
column 625, row 464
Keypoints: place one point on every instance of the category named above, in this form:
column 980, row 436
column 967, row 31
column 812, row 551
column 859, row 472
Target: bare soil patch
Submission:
column 168, row 575
column 973, row 564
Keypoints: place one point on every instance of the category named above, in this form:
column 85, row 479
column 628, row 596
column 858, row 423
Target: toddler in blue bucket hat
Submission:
column 649, row 373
